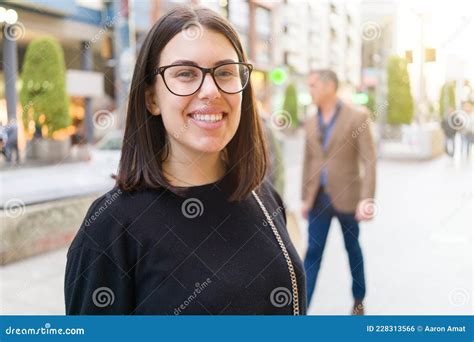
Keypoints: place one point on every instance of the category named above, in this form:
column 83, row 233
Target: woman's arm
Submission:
column 96, row 284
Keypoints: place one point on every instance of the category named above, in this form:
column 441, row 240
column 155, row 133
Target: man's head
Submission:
column 323, row 85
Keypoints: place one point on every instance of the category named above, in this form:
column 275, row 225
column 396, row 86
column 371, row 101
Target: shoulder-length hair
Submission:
column 145, row 140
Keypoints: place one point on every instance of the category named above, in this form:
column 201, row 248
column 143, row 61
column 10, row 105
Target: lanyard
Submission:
column 326, row 129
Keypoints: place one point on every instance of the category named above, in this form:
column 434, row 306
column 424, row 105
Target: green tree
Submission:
column 43, row 89
column 371, row 104
column 290, row 104
column 448, row 92
column 400, row 101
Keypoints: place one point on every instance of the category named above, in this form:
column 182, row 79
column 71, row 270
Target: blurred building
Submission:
column 379, row 21
column 100, row 40
column 321, row 34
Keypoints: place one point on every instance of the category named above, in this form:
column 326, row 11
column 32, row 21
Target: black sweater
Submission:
column 153, row 252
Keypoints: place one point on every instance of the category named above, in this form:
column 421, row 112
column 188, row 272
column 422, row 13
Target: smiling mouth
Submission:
column 211, row 118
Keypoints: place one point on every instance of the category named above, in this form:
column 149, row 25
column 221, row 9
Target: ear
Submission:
column 151, row 101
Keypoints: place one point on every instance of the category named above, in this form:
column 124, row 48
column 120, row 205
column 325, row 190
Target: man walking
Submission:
column 338, row 143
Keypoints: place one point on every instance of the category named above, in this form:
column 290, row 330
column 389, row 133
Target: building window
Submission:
column 239, row 14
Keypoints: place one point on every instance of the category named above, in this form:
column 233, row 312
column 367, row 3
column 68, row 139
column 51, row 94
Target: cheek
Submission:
column 171, row 107
column 235, row 103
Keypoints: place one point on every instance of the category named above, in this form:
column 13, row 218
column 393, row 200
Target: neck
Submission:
column 328, row 106
column 186, row 169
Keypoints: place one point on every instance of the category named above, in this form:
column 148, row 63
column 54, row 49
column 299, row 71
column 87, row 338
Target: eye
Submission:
column 183, row 73
column 225, row 73
column 229, row 72
column 186, row 74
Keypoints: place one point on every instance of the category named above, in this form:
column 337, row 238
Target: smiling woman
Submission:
column 193, row 207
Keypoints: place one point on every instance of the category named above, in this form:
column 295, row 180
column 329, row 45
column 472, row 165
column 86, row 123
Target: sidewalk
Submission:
column 45, row 183
column 418, row 249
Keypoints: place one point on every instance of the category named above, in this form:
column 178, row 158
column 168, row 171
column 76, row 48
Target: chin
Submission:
column 209, row 145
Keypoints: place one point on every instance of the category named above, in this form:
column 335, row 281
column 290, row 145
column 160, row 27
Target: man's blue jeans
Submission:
column 320, row 218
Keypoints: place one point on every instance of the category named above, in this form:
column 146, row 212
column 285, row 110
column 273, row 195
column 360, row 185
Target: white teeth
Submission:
column 207, row 117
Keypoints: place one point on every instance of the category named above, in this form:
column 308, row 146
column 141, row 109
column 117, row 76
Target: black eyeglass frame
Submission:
column 161, row 71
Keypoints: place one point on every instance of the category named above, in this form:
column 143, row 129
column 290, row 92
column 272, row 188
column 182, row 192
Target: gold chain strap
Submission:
column 291, row 270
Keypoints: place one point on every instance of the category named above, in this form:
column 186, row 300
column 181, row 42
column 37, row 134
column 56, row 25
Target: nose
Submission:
column 209, row 89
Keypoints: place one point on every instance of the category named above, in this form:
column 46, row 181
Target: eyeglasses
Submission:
column 187, row 79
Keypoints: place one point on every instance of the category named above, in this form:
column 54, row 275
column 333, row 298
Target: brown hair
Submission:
column 327, row 75
column 145, row 143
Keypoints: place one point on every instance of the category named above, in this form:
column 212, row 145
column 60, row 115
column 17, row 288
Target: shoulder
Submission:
column 310, row 121
column 271, row 198
column 357, row 114
column 109, row 216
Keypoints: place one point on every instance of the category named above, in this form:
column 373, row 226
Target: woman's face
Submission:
column 205, row 121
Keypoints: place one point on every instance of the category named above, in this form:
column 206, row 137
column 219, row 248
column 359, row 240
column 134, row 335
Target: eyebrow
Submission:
column 185, row 61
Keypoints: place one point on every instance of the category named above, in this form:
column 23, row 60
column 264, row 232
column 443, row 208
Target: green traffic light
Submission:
column 278, row 76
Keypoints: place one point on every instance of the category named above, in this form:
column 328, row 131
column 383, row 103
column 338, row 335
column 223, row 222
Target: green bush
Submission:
column 400, row 101
column 43, row 89
column 450, row 88
column 290, row 104
column 371, row 105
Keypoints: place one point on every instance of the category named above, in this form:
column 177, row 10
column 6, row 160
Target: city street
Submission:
column 418, row 249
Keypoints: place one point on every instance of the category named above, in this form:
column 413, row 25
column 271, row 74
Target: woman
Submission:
column 183, row 232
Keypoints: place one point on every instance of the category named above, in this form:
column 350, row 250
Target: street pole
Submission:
column 421, row 105
column 10, row 67
column 86, row 64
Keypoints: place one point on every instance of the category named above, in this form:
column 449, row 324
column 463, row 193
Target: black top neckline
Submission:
column 216, row 187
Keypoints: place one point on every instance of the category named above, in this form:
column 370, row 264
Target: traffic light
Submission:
column 278, row 76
